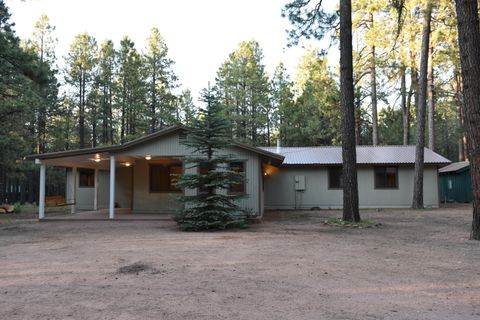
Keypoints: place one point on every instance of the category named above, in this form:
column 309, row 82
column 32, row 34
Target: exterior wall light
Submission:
column 148, row 157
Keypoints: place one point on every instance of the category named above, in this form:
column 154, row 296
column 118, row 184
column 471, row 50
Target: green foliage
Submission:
column 186, row 110
column 309, row 20
column 317, row 112
column 390, row 126
column 160, row 82
column 244, row 88
column 210, row 207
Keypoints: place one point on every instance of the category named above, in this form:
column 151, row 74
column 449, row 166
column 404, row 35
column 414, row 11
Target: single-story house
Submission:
column 140, row 175
column 456, row 182
column 310, row 177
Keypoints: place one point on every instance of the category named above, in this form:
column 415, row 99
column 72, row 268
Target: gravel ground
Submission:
column 416, row 265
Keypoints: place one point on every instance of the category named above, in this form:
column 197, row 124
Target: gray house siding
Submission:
column 145, row 201
column 280, row 189
column 85, row 195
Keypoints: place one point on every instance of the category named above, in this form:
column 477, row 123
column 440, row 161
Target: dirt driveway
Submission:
column 418, row 265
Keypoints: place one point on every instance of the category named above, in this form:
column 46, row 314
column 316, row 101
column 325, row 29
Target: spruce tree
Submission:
column 211, row 207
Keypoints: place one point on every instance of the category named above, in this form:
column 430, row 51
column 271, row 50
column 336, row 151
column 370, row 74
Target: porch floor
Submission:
column 121, row 214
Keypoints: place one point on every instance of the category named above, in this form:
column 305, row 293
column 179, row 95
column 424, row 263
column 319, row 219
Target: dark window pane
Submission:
column 203, row 171
column 163, row 177
column 237, row 187
column 386, row 177
column 175, row 171
column 87, row 178
column 335, row 177
column 158, row 178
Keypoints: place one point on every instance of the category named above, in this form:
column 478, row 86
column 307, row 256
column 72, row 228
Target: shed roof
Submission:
column 456, row 166
column 365, row 155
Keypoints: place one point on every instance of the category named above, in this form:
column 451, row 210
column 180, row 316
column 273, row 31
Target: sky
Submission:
column 199, row 33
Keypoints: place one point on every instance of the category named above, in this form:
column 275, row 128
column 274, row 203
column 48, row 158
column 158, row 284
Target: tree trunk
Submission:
column 469, row 39
column 373, row 88
column 431, row 102
column 358, row 119
column 459, row 116
column 405, row 111
column 350, row 184
column 422, row 96
column 81, row 117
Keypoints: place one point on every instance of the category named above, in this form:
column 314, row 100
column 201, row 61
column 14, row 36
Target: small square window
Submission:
column 335, row 178
column 238, row 167
column 87, row 178
column 164, row 177
column 386, row 177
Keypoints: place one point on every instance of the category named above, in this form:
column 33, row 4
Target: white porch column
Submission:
column 73, row 207
column 41, row 197
column 111, row 209
column 95, row 191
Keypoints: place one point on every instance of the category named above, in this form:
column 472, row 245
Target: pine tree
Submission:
column 161, row 81
column 212, row 207
column 81, row 61
column 311, row 21
column 469, row 37
column 244, row 85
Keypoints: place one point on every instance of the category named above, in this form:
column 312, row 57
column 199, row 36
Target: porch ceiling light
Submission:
column 127, row 164
column 97, row 158
column 148, row 157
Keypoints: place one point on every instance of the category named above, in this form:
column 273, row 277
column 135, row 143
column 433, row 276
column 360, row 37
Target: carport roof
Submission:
column 365, row 155
column 141, row 140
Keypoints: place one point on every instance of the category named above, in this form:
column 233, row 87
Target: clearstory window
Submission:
column 87, row 178
column 335, row 177
column 386, row 177
column 164, row 177
column 239, row 167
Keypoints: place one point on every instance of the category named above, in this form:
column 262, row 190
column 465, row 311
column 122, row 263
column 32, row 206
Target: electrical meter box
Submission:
column 299, row 183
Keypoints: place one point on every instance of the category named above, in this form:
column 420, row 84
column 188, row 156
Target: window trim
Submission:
column 244, row 192
column 375, row 178
column 329, row 178
column 199, row 189
column 167, row 166
column 84, row 170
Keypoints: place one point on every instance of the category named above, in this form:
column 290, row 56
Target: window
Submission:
column 174, row 173
column 87, row 178
column 164, row 177
column 335, row 177
column 202, row 171
column 240, row 168
column 386, row 177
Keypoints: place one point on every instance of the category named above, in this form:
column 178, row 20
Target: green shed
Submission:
column 455, row 182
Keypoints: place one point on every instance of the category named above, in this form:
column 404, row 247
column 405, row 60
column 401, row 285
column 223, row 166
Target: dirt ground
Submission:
column 417, row 265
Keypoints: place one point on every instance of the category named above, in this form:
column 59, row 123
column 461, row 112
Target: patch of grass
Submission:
column 351, row 224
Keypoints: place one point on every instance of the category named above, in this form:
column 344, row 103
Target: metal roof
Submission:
column 365, row 155
column 145, row 139
column 454, row 167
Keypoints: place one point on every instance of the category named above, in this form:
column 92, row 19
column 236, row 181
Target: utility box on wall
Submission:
column 299, row 183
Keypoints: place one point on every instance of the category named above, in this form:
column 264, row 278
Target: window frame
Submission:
column 199, row 189
column 89, row 172
column 376, row 187
column 340, row 187
column 244, row 167
column 167, row 168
